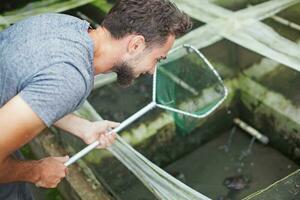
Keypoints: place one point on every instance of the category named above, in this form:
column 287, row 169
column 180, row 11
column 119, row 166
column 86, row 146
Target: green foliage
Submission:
column 40, row 7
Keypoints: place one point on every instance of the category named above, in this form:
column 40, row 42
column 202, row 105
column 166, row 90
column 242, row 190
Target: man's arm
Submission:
column 88, row 131
column 73, row 124
column 18, row 125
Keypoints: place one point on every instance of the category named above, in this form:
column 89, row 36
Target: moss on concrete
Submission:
column 273, row 115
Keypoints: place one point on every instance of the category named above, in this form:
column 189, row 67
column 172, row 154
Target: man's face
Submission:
column 141, row 63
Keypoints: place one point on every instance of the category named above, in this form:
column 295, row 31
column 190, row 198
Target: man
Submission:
column 47, row 66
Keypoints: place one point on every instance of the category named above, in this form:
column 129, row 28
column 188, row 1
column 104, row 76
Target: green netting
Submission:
column 189, row 87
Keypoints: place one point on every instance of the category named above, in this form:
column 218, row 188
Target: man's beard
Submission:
column 125, row 74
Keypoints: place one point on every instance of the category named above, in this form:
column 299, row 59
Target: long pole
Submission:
column 124, row 124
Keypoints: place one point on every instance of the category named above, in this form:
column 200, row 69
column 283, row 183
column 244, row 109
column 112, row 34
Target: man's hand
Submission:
column 50, row 171
column 99, row 131
column 88, row 131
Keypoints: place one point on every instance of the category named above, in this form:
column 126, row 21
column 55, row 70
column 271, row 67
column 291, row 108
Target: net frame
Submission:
column 201, row 56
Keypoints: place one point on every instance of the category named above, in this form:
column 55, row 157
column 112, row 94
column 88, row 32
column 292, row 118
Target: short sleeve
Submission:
column 55, row 92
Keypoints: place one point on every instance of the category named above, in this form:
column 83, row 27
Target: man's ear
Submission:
column 136, row 44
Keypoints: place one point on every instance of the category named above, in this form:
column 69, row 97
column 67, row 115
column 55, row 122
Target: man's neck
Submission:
column 106, row 50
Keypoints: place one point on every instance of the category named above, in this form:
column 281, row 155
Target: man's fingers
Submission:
column 106, row 140
column 111, row 138
column 66, row 171
column 62, row 159
column 112, row 124
column 103, row 141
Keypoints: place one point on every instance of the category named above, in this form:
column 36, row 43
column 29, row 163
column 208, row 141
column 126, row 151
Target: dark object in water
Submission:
column 236, row 182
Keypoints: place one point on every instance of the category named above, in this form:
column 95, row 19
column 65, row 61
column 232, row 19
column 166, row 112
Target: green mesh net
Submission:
column 188, row 86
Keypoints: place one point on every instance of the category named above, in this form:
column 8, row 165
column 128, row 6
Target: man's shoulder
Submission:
column 45, row 24
column 50, row 18
column 46, row 39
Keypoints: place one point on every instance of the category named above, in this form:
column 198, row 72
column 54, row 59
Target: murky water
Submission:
column 227, row 146
column 220, row 173
column 247, row 151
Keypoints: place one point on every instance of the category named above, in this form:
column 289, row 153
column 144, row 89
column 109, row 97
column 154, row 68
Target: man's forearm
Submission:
column 88, row 131
column 73, row 124
column 12, row 170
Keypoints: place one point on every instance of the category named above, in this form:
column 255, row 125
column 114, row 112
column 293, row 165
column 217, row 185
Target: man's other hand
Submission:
column 99, row 131
column 51, row 171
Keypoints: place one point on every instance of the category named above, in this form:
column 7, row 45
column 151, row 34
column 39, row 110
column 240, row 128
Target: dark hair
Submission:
column 153, row 19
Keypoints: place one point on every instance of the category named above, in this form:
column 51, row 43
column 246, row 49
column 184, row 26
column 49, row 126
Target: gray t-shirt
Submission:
column 47, row 60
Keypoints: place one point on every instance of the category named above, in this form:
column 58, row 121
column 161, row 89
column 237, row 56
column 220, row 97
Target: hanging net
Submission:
column 241, row 28
column 189, row 87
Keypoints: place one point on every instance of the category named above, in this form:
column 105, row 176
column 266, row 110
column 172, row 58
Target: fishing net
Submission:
column 189, row 87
